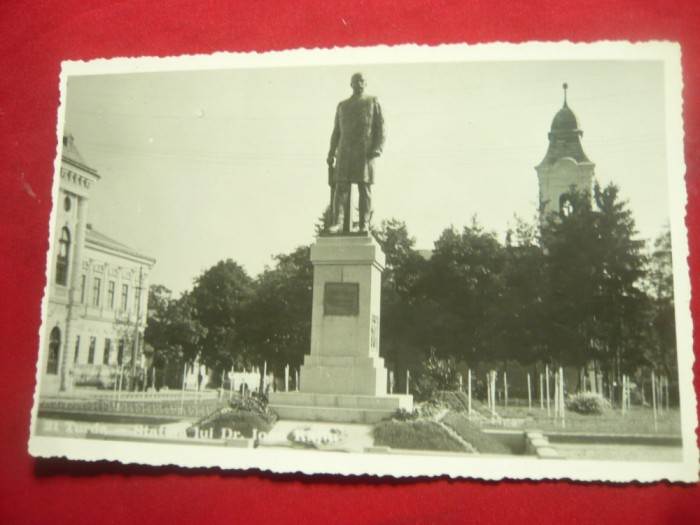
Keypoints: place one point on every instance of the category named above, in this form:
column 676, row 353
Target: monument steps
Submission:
column 334, row 414
column 336, row 407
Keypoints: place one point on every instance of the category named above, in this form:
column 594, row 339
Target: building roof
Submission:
column 71, row 155
column 564, row 137
column 426, row 254
column 100, row 239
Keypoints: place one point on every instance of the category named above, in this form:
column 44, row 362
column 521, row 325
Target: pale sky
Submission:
column 201, row 166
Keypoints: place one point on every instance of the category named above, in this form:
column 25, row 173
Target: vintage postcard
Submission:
column 406, row 261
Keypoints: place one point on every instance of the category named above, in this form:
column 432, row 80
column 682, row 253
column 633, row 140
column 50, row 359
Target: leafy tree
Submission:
column 661, row 348
column 571, row 247
column 465, row 284
column 156, row 332
column 220, row 298
column 171, row 332
column 157, row 346
column 279, row 319
column 403, row 340
column 621, row 300
column 185, row 333
column 518, row 315
column 593, row 302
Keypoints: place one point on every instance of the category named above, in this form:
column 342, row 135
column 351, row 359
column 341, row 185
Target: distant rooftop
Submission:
column 71, row 155
column 100, row 239
column 426, row 254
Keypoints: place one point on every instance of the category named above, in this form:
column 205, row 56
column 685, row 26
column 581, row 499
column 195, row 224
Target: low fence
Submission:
column 167, row 405
column 150, row 395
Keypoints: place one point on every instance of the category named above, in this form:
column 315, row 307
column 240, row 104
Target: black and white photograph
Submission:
column 406, row 261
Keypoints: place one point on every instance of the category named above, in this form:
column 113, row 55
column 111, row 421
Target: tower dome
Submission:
column 565, row 136
column 565, row 120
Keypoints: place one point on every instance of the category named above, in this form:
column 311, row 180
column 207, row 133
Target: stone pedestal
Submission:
column 343, row 378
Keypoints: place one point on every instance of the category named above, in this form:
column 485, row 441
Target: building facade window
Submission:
column 108, row 350
column 62, row 259
column 54, row 351
column 96, row 285
column 91, row 350
column 125, row 297
column 110, row 294
column 76, row 356
column 83, row 286
column 120, row 353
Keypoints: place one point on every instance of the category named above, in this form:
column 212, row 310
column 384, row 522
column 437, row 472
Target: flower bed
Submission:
column 459, row 402
column 415, row 435
column 247, row 424
column 247, row 416
column 321, row 439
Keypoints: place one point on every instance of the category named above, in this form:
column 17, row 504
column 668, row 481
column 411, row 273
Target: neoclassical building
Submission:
column 97, row 292
column 565, row 165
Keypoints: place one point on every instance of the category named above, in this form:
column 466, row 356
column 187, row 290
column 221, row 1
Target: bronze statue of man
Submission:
column 357, row 140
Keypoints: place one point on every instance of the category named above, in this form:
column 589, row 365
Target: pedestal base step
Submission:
column 339, row 408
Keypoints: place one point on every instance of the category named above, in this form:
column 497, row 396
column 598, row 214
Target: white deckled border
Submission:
column 482, row 467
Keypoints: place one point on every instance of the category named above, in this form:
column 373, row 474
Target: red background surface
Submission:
column 36, row 36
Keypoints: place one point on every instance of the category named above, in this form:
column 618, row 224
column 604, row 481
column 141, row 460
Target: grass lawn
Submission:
column 416, row 435
column 472, row 434
column 638, row 420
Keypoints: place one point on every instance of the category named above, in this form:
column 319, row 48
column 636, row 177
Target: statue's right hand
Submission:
column 330, row 161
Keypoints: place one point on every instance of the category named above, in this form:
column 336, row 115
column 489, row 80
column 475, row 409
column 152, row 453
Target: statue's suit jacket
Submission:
column 358, row 137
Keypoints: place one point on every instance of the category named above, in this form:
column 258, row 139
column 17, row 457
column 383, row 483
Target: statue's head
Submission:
column 358, row 83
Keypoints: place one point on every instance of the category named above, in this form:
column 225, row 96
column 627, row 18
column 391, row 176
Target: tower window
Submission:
column 62, row 259
column 54, row 351
column 566, row 207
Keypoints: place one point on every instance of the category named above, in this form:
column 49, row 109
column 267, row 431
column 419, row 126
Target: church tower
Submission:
column 565, row 165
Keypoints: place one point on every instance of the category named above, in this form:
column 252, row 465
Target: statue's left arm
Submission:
column 378, row 132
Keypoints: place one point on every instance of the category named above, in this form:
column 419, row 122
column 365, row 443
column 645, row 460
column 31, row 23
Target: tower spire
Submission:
column 565, row 86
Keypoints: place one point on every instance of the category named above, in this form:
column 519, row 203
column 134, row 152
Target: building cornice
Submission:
column 121, row 252
column 80, row 166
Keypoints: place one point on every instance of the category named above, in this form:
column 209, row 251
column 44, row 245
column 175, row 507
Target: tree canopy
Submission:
column 568, row 289
column 221, row 298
